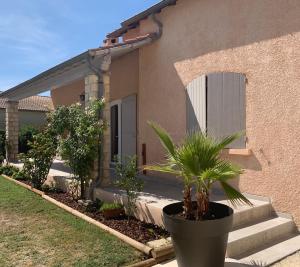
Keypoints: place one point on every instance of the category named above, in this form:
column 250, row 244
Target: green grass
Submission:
column 33, row 232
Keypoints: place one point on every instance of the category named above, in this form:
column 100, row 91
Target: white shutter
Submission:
column 196, row 105
column 226, row 111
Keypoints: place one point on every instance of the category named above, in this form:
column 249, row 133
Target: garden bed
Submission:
column 135, row 229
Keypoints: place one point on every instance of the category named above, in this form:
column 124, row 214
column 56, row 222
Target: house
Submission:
column 32, row 111
column 219, row 66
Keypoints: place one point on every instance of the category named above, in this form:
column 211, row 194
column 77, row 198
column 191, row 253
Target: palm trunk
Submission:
column 202, row 198
column 187, row 201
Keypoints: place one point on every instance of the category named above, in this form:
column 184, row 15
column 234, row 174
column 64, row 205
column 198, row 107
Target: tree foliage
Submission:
column 38, row 160
column 127, row 179
column 79, row 132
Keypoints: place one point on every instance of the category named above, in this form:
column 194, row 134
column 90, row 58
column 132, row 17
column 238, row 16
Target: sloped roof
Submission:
column 33, row 103
column 134, row 21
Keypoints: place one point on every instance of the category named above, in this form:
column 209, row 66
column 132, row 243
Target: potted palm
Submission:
column 199, row 229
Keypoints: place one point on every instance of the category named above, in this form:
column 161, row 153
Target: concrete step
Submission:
column 248, row 238
column 246, row 215
column 273, row 253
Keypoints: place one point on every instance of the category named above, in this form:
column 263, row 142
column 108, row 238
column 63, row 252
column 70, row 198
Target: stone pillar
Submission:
column 91, row 88
column 91, row 94
column 106, row 136
column 12, row 130
column 95, row 88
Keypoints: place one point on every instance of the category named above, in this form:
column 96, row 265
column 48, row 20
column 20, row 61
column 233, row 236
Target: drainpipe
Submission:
column 104, row 69
column 159, row 25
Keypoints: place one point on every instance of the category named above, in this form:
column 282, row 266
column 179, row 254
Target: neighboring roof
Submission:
column 33, row 103
column 134, row 21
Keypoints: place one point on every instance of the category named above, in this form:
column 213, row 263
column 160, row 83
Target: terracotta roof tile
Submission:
column 33, row 103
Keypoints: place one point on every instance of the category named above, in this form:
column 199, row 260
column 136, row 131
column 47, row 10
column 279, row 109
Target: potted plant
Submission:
column 112, row 210
column 199, row 229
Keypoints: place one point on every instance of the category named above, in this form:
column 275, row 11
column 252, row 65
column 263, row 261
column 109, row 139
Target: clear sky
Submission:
column 38, row 34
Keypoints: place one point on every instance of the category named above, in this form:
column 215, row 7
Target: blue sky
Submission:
column 38, row 34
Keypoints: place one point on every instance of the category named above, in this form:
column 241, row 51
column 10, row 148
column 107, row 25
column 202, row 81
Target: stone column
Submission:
column 106, row 136
column 91, row 88
column 91, row 94
column 95, row 89
column 12, row 130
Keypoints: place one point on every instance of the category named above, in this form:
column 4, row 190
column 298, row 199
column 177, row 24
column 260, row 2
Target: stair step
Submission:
column 274, row 253
column 246, row 215
column 248, row 238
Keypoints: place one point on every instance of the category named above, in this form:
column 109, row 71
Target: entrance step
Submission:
column 273, row 254
column 248, row 238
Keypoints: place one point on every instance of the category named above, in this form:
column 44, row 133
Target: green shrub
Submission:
column 39, row 158
column 110, row 206
column 8, row 170
column 127, row 179
column 50, row 188
column 20, row 176
column 25, row 137
column 2, row 143
column 1, row 160
column 94, row 206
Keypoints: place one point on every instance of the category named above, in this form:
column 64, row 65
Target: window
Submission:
column 216, row 105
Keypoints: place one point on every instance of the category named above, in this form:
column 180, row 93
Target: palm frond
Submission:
column 163, row 168
column 164, row 137
column 228, row 140
column 234, row 196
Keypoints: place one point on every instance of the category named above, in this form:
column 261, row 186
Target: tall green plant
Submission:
column 198, row 161
column 127, row 179
column 79, row 132
column 38, row 160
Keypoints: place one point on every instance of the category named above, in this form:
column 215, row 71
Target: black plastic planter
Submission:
column 199, row 243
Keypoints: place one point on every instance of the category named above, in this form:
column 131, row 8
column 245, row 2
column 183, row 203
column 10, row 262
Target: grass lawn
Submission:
column 34, row 232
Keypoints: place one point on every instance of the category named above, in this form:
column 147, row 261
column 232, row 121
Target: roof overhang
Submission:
column 135, row 20
column 92, row 61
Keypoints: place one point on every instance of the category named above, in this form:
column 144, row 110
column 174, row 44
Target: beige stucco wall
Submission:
column 260, row 38
column 124, row 78
column 67, row 95
column 26, row 117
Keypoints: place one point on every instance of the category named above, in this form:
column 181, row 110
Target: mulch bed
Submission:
column 135, row 229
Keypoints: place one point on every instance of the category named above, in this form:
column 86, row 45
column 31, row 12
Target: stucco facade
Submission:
column 258, row 38
column 68, row 94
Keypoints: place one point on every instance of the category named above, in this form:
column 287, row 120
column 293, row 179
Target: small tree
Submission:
column 79, row 132
column 127, row 179
column 39, row 158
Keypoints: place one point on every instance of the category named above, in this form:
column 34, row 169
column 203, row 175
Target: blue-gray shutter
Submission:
column 128, row 128
column 226, row 111
column 196, row 105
